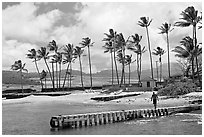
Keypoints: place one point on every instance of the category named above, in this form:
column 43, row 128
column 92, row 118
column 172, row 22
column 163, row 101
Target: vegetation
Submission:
column 177, row 88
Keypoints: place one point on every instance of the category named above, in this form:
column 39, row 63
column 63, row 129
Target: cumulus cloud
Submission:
column 21, row 22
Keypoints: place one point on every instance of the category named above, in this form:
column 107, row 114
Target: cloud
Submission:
column 21, row 22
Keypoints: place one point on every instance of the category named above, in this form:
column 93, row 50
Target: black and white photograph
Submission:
column 101, row 68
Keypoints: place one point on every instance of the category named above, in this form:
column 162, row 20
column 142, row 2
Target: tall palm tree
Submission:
column 53, row 47
column 145, row 22
column 20, row 67
column 111, row 37
column 108, row 48
column 43, row 54
column 43, row 75
column 68, row 52
column 86, row 42
column 159, row 52
column 187, row 51
column 190, row 17
column 78, row 51
column 33, row 55
column 166, row 28
column 135, row 47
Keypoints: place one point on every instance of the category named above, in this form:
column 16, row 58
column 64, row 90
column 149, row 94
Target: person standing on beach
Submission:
column 154, row 98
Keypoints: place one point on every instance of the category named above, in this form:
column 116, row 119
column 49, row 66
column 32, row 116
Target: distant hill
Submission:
column 12, row 77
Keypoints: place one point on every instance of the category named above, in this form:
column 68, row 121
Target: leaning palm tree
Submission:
column 186, row 51
column 86, row 42
column 108, row 48
column 18, row 66
column 122, row 44
column 68, row 52
column 78, row 51
column 159, row 52
column 53, row 47
column 134, row 46
column 166, row 28
column 128, row 59
column 111, row 39
column 43, row 54
column 190, row 17
column 145, row 22
column 43, row 75
column 33, row 55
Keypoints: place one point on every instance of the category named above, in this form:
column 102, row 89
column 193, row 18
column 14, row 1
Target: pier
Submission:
column 99, row 118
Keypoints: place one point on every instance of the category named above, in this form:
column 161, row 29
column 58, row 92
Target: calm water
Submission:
column 30, row 118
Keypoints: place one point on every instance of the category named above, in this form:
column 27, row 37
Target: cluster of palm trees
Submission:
column 189, row 49
column 57, row 56
column 117, row 45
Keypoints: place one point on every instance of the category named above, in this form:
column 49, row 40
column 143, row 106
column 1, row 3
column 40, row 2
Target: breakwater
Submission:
column 99, row 118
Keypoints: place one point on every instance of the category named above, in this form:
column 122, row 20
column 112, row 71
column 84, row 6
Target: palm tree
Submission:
column 121, row 43
column 186, row 51
column 18, row 66
column 78, row 51
column 86, row 42
column 43, row 54
column 128, row 59
column 135, row 47
column 145, row 22
column 108, row 48
column 190, row 17
column 166, row 28
column 159, row 52
column 33, row 55
column 69, row 58
column 112, row 39
column 43, row 75
column 53, row 47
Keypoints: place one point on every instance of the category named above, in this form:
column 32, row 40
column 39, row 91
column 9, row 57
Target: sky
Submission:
column 33, row 25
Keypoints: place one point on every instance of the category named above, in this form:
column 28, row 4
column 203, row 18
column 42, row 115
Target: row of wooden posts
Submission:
column 91, row 119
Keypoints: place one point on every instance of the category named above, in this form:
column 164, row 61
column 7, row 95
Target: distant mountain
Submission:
column 12, row 77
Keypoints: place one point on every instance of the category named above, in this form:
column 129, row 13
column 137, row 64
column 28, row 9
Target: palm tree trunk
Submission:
column 21, row 80
column 66, row 75
column 53, row 73
column 70, row 78
column 56, row 75
column 38, row 73
column 157, row 70
column 192, row 61
column 199, row 79
column 150, row 55
column 129, row 74
column 90, row 65
column 123, row 68
column 45, row 83
column 82, row 85
column 112, row 66
column 167, row 38
column 60, row 68
column 137, row 60
column 140, row 68
column 50, row 74
column 116, row 68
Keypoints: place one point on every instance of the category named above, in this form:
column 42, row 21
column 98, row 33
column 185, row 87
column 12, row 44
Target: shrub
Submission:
column 177, row 88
